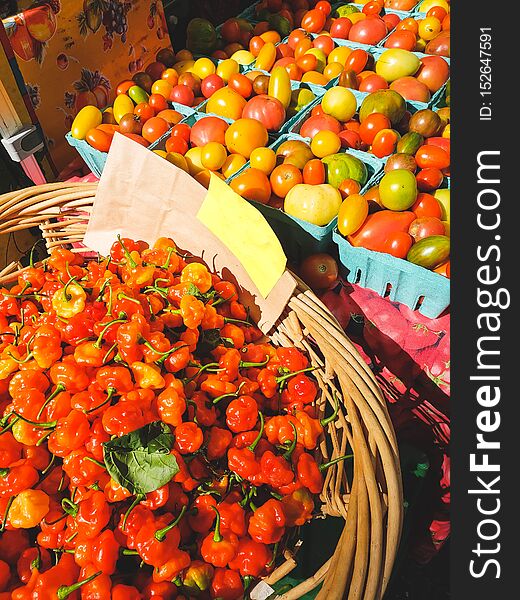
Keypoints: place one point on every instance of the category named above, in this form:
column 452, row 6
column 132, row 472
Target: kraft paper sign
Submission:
column 142, row 196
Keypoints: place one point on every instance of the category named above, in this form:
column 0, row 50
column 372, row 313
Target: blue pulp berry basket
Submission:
column 416, row 287
column 300, row 238
column 95, row 160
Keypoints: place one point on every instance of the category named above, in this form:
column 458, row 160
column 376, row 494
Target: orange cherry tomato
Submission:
column 384, row 142
column 271, row 36
column 439, row 12
column 154, row 128
column 283, row 51
column 314, row 172
column 171, row 76
column 294, row 71
column 408, row 24
column 325, row 43
column 99, row 139
column 307, row 62
column 284, row 178
column 263, row 159
column 144, row 110
column 429, row 156
column 252, row 184
column 372, row 125
column 296, row 36
column 124, row 86
column 241, row 84
column 324, row 6
column 314, row 21
column 302, row 47
column 183, row 130
column 372, row 8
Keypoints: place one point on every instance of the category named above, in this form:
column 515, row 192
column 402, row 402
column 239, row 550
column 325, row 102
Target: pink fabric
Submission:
column 410, row 357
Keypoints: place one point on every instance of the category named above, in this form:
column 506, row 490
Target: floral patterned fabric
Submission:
column 71, row 54
column 410, row 357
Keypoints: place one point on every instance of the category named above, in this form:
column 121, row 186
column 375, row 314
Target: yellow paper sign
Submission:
column 244, row 230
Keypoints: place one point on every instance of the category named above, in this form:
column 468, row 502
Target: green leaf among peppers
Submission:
column 140, row 461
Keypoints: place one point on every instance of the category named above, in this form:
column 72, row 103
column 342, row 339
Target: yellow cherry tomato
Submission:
column 352, row 214
column 263, row 159
column 429, row 28
column 280, row 86
column 267, row 57
column 204, row 67
column 122, row 105
column 233, row 163
column 321, row 57
column 178, row 160
column 227, row 68
column 325, row 143
column 333, row 70
column 88, row 118
column 339, row 55
column 314, row 77
column 194, row 160
column 162, row 87
column 213, row 156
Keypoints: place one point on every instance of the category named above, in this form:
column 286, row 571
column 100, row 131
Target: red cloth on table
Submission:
column 410, row 357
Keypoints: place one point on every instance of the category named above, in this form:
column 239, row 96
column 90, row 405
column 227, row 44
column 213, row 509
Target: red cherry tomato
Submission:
column 340, row 28
column 154, row 128
column 210, row 84
column 100, row 140
column 368, row 31
column 314, row 20
column 384, row 142
column 314, row 172
column 424, row 227
column 183, row 95
column 325, row 7
column 429, row 156
column 401, row 39
column 176, row 144
column 182, row 130
column 350, row 139
column 398, row 244
column 391, row 20
column 372, row 125
column 372, row 83
column 372, row 8
column 426, row 205
column 357, row 60
column 324, row 43
column 241, row 84
column 144, row 110
column 158, row 102
column 429, row 180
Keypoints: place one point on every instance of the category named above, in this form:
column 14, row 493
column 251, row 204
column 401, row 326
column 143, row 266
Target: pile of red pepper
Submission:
column 152, row 443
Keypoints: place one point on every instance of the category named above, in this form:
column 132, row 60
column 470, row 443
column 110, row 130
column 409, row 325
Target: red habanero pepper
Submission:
column 204, row 517
column 158, row 498
column 298, row 507
column 301, row 389
column 252, row 558
column 130, row 524
column 38, row 456
column 171, row 406
column 267, row 524
column 198, row 467
column 123, row 418
column 155, row 347
column 115, row 492
column 218, row 441
column 235, row 334
column 82, row 468
column 229, row 362
column 98, row 588
column 276, row 470
column 121, row 246
column 30, row 559
column 198, row 275
column 219, row 549
column 9, row 306
column 171, row 569
column 178, row 358
column 188, row 438
column 158, row 540
column 183, row 476
column 31, row 279
column 104, row 552
column 201, row 410
column 70, row 434
column 18, row 479
column 292, row 359
column 198, row 576
column 93, row 515
column 211, row 319
column 192, row 311
column 127, row 338
column 191, row 338
column 10, row 450
column 61, row 258
column 232, row 516
column 309, row 430
column 29, row 404
column 24, row 380
column 243, row 461
column 163, row 590
column 98, row 436
column 125, row 592
column 118, row 378
column 215, row 386
column 46, row 346
column 70, row 376
column 242, row 414
column 227, row 585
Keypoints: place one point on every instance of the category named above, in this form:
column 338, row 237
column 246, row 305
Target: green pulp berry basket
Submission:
column 95, row 160
column 300, row 238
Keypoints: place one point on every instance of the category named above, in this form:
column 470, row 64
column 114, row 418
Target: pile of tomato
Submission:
column 153, row 444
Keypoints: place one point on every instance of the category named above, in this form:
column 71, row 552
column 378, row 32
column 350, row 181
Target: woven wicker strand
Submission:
column 372, row 503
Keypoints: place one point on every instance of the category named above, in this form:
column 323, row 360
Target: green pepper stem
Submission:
column 160, row 535
column 122, row 295
column 43, row 439
column 112, row 348
column 65, row 590
column 275, row 552
column 96, row 462
column 132, row 262
column 136, row 501
column 69, row 507
column 37, row 561
column 237, row 321
column 331, row 463
column 7, row 509
column 287, row 455
column 48, row 425
column 9, row 425
column 20, row 361
column 165, row 355
column 66, row 295
column 283, row 378
column 217, row 536
column 59, row 388
column 334, row 415
column 248, row 365
column 111, row 392
column 4, row 472
column 99, row 341
column 102, row 290
column 170, row 253
column 230, row 395
column 253, row 446
column 248, row 580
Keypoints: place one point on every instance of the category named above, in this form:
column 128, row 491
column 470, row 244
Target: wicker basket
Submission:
column 370, row 500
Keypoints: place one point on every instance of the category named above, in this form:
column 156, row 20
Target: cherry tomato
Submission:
column 302, row 47
column 314, row 21
column 426, row 205
column 404, row 39
column 213, row 156
column 256, row 43
column 307, row 62
column 183, row 95
column 252, row 184
column 124, row 86
column 319, row 271
column 443, row 269
column 154, row 128
column 408, row 24
column 372, row 83
column 428, row 180
column 325, row 143
column 348, row 187
column 176, row 143
column 241, row 84
column 314, row 172
column 357, row 60
column 171, row 76
column 137, row 138
column 144, row 110
column 263, row 159
column 340, row 28
column 351, row 139
column 210, row 84
column 233, row 164
column 158, row 103
column 438, row 12
column 353, row 212
column 284, row 178
column 424, row 227
column 325, row 7
column 98, row 139
column 182, row 130
column 384, row 142
column 372, row 125
column 324, row 43
column 429, row 156
column 398, row 244
column 372, row 8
